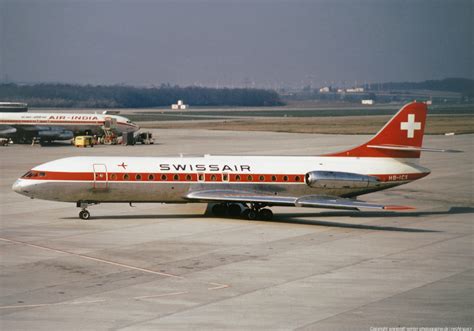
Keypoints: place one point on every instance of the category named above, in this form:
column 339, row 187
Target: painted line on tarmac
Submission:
column 52, row 304
column 94, row 259
column 160, row 295
column 217, row 286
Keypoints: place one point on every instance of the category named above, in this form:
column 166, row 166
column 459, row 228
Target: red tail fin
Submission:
column 401, row 137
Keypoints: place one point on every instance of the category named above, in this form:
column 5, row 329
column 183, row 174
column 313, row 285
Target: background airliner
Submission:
column 242, row 185
column 23, row 127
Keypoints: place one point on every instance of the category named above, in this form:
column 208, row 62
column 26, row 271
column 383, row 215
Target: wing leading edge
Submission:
column 312, row 201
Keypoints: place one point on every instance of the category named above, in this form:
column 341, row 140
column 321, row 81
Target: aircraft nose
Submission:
column 16, row 186
column 20, row 187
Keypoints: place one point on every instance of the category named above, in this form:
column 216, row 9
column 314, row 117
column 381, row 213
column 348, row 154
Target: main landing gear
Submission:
column 254, row 212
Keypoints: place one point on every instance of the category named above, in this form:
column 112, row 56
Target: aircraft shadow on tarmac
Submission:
column 368, row 214
column 290, row 219
column 296, row 218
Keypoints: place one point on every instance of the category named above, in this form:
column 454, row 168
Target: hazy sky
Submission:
column 229, row 42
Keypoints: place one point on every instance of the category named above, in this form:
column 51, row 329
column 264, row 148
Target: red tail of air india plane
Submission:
column 242, row 185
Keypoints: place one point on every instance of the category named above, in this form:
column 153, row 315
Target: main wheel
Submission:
column 245, row 213
column 84, row 214
column 265, row 214
column 219, row 209
column 234, row 210
column 252, row 215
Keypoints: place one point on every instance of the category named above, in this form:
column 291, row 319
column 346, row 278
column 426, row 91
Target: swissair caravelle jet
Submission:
column 242, row 185
column 24, row 127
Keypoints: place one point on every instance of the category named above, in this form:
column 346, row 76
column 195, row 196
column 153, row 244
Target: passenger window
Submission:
column 189, row 178
column 138, row 177
column 237, row 178
column 201, row 177
column 225, row 177
column 262, row 178
column 249, row 178
column 285, row 178
column 274, row 178
column 113, row 177
column 175, row 177
column 126, row 177
column 213, row 177
column 297, row 178
column 151, row 177
column 163, row 177
column 42, row 174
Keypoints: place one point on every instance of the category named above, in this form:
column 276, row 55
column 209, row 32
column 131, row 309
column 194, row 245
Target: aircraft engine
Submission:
column 339, row 180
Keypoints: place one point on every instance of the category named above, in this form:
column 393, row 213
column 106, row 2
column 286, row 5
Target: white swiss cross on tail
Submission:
column 411, row 126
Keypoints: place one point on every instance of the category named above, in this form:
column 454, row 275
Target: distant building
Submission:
column 325, row 89
column 179, row 106
column 17, row 107
column 367, row 102
column 355, row 90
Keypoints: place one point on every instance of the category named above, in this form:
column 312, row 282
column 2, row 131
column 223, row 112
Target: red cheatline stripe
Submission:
column 165, row 177
column 395, row 207
column 91, row 122
column 193, row 177
column 50, row 122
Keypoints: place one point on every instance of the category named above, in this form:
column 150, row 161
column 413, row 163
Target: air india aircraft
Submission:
column 24, row 127
column 242, row 185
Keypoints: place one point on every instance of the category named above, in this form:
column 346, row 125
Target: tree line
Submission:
column 118, row 96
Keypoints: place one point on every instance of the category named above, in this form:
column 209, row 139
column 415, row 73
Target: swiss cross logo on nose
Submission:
column 411, row 126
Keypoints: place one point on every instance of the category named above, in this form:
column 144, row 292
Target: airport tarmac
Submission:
column 168, row 267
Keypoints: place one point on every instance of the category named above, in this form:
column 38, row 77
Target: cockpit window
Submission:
column 28, row 175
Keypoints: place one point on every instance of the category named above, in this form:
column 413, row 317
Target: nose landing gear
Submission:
column 84, row 213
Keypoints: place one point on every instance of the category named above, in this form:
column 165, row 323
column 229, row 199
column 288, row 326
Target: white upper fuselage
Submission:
column 72, row 122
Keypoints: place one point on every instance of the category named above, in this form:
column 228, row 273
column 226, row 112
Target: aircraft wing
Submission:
column 43, row 132
column 6, row 130
column 314, row 201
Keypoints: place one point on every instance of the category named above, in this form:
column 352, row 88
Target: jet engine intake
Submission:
column 339, row 180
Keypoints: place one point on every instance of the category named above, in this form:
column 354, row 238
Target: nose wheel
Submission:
column 84, row 214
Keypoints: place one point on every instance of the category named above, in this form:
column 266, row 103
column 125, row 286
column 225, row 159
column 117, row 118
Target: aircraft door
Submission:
column 100, row 176
column 110, row 123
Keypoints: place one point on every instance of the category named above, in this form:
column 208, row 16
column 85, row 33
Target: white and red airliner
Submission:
column 23, row 127
column 242, row 185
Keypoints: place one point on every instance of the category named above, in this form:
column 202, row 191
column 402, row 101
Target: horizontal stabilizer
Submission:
column 413, row 148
